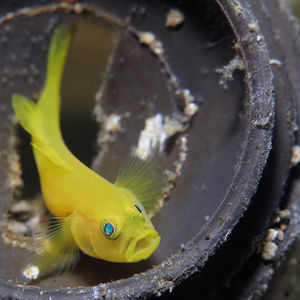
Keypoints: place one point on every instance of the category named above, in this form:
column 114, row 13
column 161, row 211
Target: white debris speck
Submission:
column 271, row 235
column 96, row 293
column 17, row 227
column 113, row 124
column 182, row 156
column 171, row 127
column 259, row 38
column 149, row 39
column 227, row 235
column 170, row 175
column 227, row 71
column 191, row 109
column 274, row 61
column 157, row 130
column 151, row 137
column 146, row 37
column 186, row 94
column 33, row 222
column 269, row 251
column 184, row 140
column 295, row 158
column 280, row 235
column 31, row 272
column 78, row 8
column 253, row 26
column 21, row 206
column 157, row 47
column 174, row 18
column 284, row 214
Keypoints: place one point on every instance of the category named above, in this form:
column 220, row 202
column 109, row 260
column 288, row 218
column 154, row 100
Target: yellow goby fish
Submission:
column 104, row 220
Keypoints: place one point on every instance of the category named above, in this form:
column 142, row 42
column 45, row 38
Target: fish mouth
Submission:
column 142, row 246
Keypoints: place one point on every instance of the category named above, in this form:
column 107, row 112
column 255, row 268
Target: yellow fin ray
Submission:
column 143, row 179
column 56, row 252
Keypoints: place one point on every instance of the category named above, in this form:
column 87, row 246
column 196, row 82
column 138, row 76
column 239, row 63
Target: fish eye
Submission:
column 138, row 208
column 109, row 229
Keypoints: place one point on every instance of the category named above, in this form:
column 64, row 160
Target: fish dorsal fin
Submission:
column 56, row 250
column 142, row 179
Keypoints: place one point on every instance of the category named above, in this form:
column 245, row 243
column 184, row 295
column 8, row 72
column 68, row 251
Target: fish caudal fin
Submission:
column 56, row 251
column 42, row 119
column 26, row 112
column 49, row 102
column 143, row 179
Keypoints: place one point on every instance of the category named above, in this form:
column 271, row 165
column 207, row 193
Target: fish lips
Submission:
column 142, row 246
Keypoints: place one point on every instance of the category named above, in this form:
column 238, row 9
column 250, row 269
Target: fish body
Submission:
column 104, row 220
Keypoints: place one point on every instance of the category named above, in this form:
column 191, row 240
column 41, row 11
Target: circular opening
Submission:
column 121, row 72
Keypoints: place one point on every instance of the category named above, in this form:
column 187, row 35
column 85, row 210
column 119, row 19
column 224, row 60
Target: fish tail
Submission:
column 42, row 119
column 49, row 102
column 56, row 251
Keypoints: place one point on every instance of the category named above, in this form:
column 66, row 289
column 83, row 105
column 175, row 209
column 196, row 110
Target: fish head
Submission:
column 127, row 236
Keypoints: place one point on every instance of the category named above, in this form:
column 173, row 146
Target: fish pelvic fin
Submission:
column 55, row 251
column 143, row 179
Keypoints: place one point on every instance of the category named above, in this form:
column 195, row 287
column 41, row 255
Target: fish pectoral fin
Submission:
column 143, row 179
column 55, row 251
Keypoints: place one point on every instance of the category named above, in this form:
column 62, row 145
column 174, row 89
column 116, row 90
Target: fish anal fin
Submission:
column 56, row 251
column 143, row 179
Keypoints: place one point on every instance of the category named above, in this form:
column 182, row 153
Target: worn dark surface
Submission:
column 279, row 186
column 229, row 142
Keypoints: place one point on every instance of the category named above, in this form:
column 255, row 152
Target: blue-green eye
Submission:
column 138, row 208
column 109, row 229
